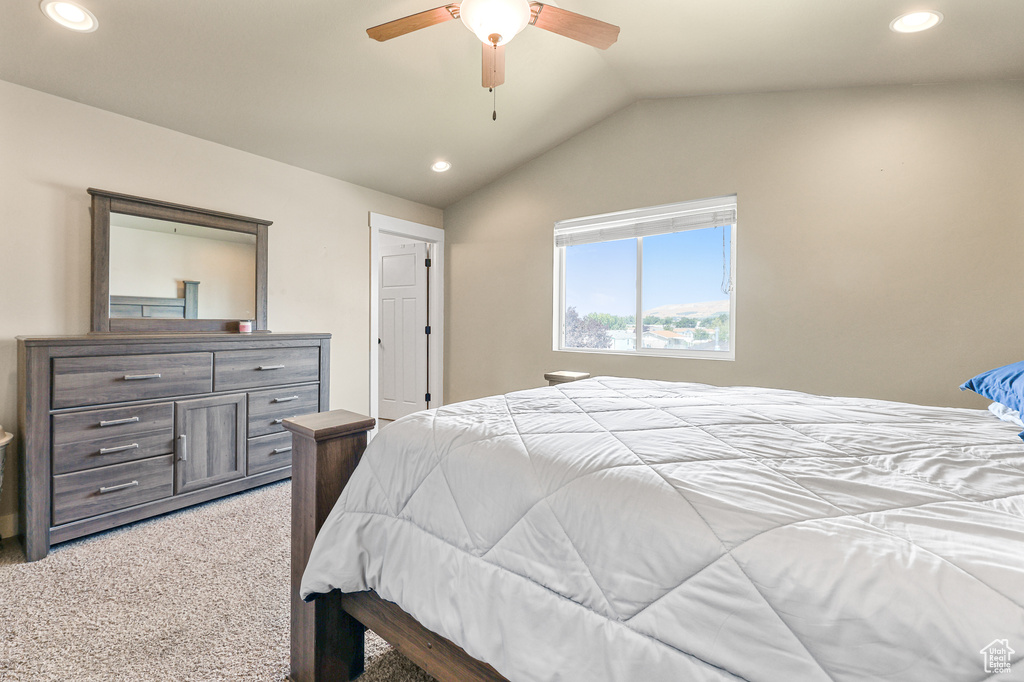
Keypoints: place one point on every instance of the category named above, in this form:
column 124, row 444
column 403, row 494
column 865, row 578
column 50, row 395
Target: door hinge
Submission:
column 426, row 330
column 428, row 263
column 428, row 398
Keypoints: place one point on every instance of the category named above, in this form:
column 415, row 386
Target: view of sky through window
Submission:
column 685, row 290
column 684, row 267
column 679, row 268
column 601, row 277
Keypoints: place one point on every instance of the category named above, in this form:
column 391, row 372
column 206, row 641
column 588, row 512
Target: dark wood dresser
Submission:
column 117, row 428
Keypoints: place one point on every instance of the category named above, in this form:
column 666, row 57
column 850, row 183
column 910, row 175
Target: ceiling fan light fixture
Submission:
column 70, row 15
column 912, row 22
column 495, row 18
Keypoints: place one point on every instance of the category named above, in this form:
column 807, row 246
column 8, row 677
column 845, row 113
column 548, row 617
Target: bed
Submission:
column 619, row 529
column 183, row 308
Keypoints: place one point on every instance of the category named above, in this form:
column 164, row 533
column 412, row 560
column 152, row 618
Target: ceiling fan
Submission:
column 495, row 22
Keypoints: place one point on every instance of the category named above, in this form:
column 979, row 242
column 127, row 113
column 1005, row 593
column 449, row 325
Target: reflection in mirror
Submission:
column 164, row 269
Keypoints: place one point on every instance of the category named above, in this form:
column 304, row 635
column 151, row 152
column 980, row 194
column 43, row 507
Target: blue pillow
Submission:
column 1003, row 385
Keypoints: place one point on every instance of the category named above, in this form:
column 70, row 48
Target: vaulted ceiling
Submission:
column 299, row 81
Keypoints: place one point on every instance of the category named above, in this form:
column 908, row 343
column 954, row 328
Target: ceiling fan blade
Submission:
column 576, row 26
column 413, row 22
column 493, row 65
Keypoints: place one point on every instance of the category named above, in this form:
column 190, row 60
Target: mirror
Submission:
column 157, row 267
column 165, row 267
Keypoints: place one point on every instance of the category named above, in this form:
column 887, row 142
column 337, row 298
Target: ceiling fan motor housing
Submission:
column 490, row 18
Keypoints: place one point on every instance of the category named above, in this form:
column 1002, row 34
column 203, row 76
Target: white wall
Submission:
column 52, row 149
column 881, row 232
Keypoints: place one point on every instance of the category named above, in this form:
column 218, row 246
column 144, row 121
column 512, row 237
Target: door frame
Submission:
column 434, row 237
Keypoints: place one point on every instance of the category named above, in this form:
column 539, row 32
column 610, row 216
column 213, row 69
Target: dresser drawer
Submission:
column 234, row 369
column 116, row 378
column 269, row 452
column 116, row 421
column 267, row 409
column 113, row 450
column 106, row 489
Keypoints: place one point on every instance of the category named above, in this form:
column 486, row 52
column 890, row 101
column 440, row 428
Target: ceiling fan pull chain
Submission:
column 494, row 74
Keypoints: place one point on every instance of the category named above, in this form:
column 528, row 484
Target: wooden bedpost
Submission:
column 191, row 299
column 326, row 642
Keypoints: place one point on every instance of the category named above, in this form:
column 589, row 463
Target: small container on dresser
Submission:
column 118, row 428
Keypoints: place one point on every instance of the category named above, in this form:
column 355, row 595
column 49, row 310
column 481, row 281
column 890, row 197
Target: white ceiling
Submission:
column 299, row 80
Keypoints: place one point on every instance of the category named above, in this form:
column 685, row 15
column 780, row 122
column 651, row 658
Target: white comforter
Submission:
column 618, row 529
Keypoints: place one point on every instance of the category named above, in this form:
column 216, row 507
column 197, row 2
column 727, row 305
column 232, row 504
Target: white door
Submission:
column 403, row 329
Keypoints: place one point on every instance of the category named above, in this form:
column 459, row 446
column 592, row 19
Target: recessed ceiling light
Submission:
column 440, row 166
column 915, row 21
column 70, row 15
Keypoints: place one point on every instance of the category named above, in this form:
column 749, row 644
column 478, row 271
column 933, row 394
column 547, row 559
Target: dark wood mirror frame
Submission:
column 104, row 203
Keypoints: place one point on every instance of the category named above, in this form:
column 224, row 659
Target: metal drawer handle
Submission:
column 119, row 448
column 281, row 420
column 285, row 400
column 115, row 422
column 118, row 487
column 182, row 448
column 135, row 377
column 278, row 451
column 264, row 368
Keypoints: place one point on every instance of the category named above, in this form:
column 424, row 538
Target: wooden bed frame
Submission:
column 183, row 308
column 327, row 633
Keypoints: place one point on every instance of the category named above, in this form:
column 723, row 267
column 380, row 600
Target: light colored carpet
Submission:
column 200, row 594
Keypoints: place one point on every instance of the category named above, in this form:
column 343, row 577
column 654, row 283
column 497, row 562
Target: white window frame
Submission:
column 624, row 221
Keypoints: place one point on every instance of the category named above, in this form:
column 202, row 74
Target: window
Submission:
column 672, row 268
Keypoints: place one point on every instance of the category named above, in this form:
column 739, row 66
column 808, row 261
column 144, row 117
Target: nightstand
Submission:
column 565, row 376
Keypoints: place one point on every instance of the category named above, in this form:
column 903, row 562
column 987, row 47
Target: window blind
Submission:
column 647, row 222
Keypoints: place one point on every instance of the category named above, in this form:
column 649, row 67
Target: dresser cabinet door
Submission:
column 209, row 439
